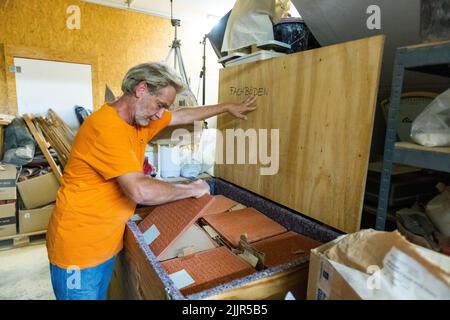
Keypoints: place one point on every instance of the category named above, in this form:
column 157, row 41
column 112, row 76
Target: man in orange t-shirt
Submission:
column 103, row 180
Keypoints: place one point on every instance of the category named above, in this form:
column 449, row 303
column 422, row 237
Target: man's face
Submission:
column 152, row 106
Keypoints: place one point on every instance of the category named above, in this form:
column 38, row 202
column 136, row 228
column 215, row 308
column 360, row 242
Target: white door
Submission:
column 61, row 86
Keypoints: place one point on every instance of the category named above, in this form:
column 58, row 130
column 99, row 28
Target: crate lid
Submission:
column 315, row 113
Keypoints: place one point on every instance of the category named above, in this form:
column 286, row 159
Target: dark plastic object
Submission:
column 296, row 33
column 18, row 143
column 216, row 35
column 81, row 114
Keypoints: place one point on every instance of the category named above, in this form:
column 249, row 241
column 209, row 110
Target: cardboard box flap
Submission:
column 379, row 265
column 38, row 191
column 317, row 108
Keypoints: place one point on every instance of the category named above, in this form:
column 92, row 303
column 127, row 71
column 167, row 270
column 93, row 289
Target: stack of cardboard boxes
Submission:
column 37, row 202
column 8, row 199
column 31, row 212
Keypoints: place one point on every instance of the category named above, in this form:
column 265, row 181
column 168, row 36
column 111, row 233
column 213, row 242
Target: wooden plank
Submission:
column 275, row 287
column 23, row 235
column 418, row 147
column 426, row 44
column 22, row 240
column 43, row 145
column 323, row 104
column 133, row 277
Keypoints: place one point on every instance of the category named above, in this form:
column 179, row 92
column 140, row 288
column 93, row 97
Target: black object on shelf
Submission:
column 81, row 114
column 295, row 32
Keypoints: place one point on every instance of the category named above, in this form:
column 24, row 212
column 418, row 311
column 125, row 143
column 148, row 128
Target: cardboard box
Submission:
column 33, row 220
column 8, row 179
column 325, row 282
column 39, row 191
column 377, row 265
column 7, row 220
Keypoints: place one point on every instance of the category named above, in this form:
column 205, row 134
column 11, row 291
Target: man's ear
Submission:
column 141, row 89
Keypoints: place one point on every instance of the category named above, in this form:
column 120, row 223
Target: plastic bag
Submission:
column 199, row 156
column 251, row 22
column 432, row 127
column 19, row 144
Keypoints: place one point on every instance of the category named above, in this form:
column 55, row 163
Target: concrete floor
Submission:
column 25, row 274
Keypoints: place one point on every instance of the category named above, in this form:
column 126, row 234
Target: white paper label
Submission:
column 151, row 234
column 181, row 279
column 135, row 218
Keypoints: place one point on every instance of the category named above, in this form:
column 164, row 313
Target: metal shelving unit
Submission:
column 433, row 58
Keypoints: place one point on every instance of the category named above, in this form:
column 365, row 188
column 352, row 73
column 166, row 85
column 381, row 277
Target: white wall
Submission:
column 191, row 34
column 42, row 85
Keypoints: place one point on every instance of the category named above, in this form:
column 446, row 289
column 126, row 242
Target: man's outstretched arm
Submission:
column 147, row 191
column 189, row 115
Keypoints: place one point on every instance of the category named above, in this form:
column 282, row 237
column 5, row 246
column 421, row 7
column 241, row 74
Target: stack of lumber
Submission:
column 57, row 133
column 51, row 131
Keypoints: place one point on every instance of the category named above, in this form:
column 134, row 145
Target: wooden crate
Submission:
column 138, row 274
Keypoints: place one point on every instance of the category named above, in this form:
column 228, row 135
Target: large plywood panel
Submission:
column 322, row 102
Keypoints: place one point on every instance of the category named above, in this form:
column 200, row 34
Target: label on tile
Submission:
column 151, row 234
column 135, row 218
column 181, row 279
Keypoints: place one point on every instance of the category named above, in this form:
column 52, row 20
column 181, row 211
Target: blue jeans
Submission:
column 82, row 284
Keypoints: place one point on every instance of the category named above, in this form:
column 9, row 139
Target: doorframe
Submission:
column 13, row 51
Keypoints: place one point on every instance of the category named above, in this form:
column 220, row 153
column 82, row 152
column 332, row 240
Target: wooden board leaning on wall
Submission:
column 323, row 104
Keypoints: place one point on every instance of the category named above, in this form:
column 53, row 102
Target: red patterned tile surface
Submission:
column 209, row 268
column 285, row 248
column 231, row 225
column 220, row 204
column 172, row 219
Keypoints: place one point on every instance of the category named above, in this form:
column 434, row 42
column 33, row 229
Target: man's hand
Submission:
column 189, row 115
column 200, row 188
column 240, row 109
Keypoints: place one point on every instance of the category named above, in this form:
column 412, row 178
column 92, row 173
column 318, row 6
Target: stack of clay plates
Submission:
column 220, row 204
column 168, row 222
column 170, row 229
column 284, row 248
column 249, row 221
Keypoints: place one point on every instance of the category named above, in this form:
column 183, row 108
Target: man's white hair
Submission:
column 158, row 75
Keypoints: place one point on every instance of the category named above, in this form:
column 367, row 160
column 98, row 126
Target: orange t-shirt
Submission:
column 88, row 222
